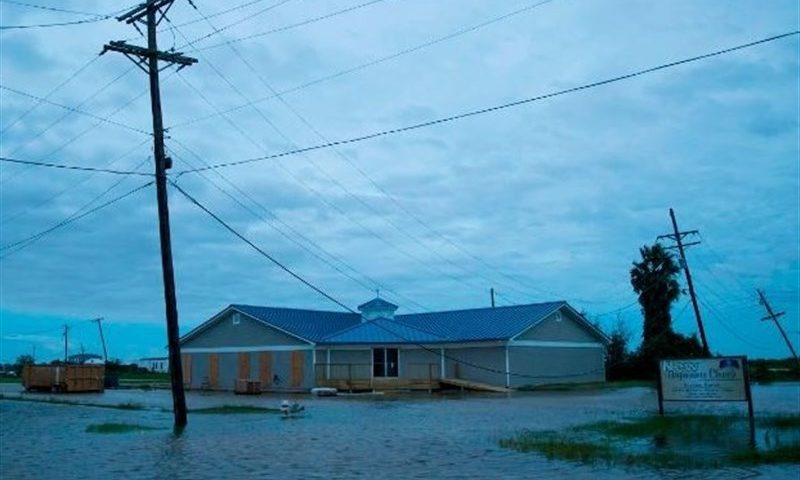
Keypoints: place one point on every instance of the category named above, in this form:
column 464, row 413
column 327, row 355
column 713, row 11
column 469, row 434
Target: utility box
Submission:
column 247, row 387
column 64, row 378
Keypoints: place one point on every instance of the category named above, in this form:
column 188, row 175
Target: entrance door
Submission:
column 385, row 362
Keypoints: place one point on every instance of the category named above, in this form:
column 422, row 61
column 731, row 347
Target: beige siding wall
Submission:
column 549, row 365
column 247, row 333
column 568, row 329
column 490, row 363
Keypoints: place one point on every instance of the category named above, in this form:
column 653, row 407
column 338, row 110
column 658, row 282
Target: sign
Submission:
column 720, row 379
column 717, row 379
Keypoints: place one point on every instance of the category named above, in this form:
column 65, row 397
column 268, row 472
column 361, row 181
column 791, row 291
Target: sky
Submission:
column 550, row 200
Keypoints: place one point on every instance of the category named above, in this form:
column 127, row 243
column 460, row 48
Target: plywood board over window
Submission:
column 244, row 366
column 265, row 369
column 298, row 359
column 186, row 364
column 213, row 370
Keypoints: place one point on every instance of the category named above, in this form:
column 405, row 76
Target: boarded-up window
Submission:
column 244, row 366
column 186, row 365
column 265, row 369
column 213, row 370
column 298, row 358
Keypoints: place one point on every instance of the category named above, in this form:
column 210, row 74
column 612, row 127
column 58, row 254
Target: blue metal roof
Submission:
column 382, row 330
column 480, row 324
column 313, row 325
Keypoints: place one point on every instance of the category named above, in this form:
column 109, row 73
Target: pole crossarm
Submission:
column 139, row 12
column 140, row 55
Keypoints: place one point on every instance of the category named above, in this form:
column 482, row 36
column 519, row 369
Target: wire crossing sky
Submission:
column 542, row 202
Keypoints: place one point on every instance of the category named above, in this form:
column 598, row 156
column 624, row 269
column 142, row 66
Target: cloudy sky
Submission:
column 548, row 200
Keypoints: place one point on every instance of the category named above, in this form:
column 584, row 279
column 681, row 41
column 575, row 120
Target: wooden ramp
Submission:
column 468, row 385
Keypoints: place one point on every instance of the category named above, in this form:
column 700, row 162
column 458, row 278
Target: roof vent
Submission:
column 377, row 308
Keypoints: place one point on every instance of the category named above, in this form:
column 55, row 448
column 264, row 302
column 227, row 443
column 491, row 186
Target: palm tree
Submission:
column 654, row 280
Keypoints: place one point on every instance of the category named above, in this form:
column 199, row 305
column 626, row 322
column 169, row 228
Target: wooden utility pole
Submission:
column 150, row 14
column 678, row 237
column 771, row 315
column 99, row 321
column 491, row 293
column 66, row 341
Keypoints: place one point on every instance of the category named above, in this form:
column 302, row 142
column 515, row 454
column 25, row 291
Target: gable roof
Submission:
column 482, row 324
column 471, row 325
column 382, row 330
column 312, row 325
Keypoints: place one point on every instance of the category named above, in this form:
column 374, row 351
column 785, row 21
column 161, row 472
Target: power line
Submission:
column 51, row 93
column 290, row 26
column 74, row 167
column 339, row 303
column 499, row 107
column 333, row 258
column 97, row 17
column 259, row 250
column 338, row 184
column 24, row 243
column 230, row 25
column 74, row 110
column 370, row 63
column 69, row 187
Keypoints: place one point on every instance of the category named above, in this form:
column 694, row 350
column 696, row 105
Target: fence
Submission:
column 359, row 376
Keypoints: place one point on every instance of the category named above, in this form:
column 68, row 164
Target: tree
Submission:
column 654, row 280
column 21, row 361
column 617, row 354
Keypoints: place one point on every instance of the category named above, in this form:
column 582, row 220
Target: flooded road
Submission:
column 405, row 436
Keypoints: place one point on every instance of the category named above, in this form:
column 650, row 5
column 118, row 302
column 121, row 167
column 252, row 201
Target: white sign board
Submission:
column 720, row 379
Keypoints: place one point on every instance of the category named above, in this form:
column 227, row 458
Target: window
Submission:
column 235, row 318
column 384, row 362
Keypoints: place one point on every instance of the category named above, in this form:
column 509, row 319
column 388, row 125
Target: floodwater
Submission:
column 390, row 436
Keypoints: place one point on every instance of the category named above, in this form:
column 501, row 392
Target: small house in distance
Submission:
column 155, row 364
column 294, row 349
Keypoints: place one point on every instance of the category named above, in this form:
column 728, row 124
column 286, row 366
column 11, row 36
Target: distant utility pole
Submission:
column 678, row 237
column 771, row 315
column 491, row 293
column 150, row 14
column 66, row 341
column 99, row 321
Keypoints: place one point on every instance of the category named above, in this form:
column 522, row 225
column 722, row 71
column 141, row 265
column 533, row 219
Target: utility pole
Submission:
column 99, row 321
column 771, row 315
column 150, row 14
column 678, row 237
column 66, row 341
column 491, row 293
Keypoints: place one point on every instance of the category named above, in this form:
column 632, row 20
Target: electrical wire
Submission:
column 75, row 110
column 97, row 17
column 51, row 9
column 326, row 257
column 290, row 26
column 318, row 167
column 255, row 247
column 74, row 167
column 368, row 64
column 24, row 243
column 497, row 107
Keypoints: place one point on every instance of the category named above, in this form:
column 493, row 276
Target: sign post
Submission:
column 717, row 379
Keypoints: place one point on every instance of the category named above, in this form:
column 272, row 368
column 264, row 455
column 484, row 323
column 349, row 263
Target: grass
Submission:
column 592, row 386
column 233, row 410
column 143, row 377
column 672, row 441
column 782, row 422
column 683, row 427
column 55, row 401
column 106, row 428
column 9, row 379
